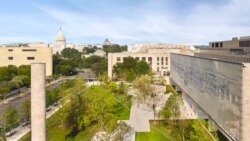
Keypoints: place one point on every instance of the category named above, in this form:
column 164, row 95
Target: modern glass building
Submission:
column 221, row 89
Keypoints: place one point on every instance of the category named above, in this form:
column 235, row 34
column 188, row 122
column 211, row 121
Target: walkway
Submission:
column 141, row 114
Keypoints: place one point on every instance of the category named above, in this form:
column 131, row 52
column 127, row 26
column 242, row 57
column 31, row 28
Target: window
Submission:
column 150, row 59
column 118, row 59
column 161, row 60
column 10, row 50
column 143, row 58
column 29, row 49
column 221, row 44
column 212, row 44
column 158, row 58
column 158, row 69
column 166, row 61
column 245, row 43
column 216, row 44
column 10, row 58
column 30, row 58
column 137, row 58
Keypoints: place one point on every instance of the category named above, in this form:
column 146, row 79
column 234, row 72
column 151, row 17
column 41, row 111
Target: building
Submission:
column 218, row 88
column 156, row 55
column 236, row 50
column 106, row 42
column 60, row 42
column 25, row 54
column 236, row 42
column 100, row 53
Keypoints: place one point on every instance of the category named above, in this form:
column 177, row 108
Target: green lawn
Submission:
column 123, row 111
column 162, row 131
column 157, row 132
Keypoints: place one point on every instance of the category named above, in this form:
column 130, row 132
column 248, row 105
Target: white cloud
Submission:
column 202, row 24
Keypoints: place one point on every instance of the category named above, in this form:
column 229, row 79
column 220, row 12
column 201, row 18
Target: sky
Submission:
column 194, row 22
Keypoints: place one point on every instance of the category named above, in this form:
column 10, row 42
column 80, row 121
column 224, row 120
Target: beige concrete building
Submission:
column 236, row 42
column 219, row 88
column 26, row 54
column 236, row 50
column 156, row 55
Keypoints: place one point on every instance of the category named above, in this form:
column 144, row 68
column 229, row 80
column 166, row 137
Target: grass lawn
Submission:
column 158, row 132
column 162, row 131
column 123, row 111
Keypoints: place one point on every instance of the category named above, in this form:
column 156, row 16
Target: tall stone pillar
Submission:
column 38, row 113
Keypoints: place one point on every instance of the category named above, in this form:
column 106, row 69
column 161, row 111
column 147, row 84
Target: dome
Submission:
column 60, row 36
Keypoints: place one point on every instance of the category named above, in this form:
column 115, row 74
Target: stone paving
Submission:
column 141, row 114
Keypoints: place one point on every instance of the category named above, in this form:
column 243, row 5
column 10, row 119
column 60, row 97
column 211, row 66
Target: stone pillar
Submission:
column 38, row 113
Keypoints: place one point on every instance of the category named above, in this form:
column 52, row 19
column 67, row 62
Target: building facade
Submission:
column 220, row 88
column 156, row 55
column 236, row 42
column 25, row 55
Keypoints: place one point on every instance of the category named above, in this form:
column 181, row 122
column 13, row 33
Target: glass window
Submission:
column 118, row 59
column 30, row 58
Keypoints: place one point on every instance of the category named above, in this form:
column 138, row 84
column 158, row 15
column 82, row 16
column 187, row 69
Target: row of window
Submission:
column 118, row 59
column 10, row 50
column 162, row 60
column 217, row 45
column 28, row 58
column 244, row 43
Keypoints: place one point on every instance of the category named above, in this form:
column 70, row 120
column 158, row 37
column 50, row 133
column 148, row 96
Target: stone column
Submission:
column 38, row 113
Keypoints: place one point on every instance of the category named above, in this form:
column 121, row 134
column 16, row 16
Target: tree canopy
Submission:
column 130, row 68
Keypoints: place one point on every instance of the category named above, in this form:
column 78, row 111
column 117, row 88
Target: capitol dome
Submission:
column 60, row 37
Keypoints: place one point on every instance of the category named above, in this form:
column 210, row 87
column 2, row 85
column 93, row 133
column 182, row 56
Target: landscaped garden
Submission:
column 96, row 108
column 190, row 130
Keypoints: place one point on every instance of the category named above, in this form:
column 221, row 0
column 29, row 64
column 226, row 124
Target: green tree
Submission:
column 24, row 70
column 88, row 50
column 4, row 88
column 100, row 107
column 130, row 75
column 4, row 74
column 10, row 118
column 25, row 111
column 73, row 111
column 142, row 68
column 70, row 53
column 12, row 71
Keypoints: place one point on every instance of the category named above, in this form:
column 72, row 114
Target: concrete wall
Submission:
column 220, row 88
column 38, row 114
column 20, row 54
column 246, row 102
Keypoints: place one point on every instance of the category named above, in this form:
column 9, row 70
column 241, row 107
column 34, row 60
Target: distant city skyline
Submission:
column 124, row 21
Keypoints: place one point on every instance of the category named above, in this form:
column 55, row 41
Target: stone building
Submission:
column 156, row 55
column 26, row 54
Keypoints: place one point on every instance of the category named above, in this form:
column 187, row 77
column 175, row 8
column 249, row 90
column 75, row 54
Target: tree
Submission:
column 24, row 70
column 130, row 68
column 114, row 48
column 10, row 118
column 4, row 75
column 100, row 107
column 4, row 88
column 130, row 75
column 73, row 111
column 142, row 68
column 70, row 53
column 25, row 111
column 88, row 50
column 144, row 86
